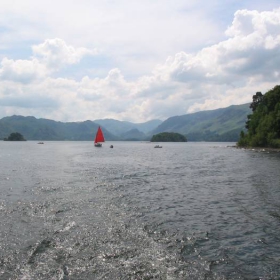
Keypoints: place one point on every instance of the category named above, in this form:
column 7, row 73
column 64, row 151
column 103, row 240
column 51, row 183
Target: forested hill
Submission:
column 217, row 125
column 223, row 124
column 44, row 129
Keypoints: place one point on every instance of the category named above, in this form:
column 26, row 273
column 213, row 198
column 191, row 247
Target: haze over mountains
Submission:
column 223, row 124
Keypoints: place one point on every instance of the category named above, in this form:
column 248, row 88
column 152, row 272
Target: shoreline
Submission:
column 259, row 149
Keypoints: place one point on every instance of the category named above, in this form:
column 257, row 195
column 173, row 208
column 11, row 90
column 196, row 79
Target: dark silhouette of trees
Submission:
column 169, row 137
column 263, row 125
column 15, row 136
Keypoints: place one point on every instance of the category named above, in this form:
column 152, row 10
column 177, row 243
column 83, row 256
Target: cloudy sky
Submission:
column 134, row 60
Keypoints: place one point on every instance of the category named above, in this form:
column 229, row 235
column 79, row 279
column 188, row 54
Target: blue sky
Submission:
column 134, row 60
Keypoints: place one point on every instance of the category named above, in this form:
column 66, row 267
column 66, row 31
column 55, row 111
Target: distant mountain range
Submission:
column 121, row 127
column 216, row 125
column 44, row 129
column 223, row 124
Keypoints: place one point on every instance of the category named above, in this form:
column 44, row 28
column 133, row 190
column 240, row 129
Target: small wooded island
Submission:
column 168, row 137
column 263, row 125
column 15, row 136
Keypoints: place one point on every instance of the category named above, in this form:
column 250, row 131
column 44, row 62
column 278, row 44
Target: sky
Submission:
column 135, row 60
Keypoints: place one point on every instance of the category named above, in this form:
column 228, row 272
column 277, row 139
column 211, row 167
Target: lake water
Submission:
column 69, row 210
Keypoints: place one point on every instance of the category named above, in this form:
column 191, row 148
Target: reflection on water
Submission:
column 186, row 211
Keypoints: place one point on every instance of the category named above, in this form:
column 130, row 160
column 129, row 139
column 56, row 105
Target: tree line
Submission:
column 263, row 125
column 15, row 136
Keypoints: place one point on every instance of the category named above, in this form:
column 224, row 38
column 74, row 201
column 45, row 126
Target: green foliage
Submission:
column 263, row 125
column 243, row 140
column 257, row 99
column 15, row 136
column 169, row 137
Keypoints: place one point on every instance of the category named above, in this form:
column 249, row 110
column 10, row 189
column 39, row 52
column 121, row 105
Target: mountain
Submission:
column 134, row 135
column 44, row 129
column 119, row 128
column 223, row 124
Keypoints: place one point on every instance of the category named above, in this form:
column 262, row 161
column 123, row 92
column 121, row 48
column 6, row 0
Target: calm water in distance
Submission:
column 190, row 210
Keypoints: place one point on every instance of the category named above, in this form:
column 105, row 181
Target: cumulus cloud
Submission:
column 55, row 53
column 221, row 74
column 47, row 57
column 23, row 71
column 250, row 50
column 250, row 54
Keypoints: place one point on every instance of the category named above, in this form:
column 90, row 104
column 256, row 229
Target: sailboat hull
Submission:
column 98, row 145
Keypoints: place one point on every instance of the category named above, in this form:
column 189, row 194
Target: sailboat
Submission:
column 99, row 137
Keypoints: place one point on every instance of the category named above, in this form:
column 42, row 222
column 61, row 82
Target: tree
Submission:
column 257, row 99
column 15, row 136
column 263, row 125
column 169, row 137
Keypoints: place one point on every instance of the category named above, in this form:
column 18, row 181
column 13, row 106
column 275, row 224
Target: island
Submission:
column 169, row 137
column 15, row 136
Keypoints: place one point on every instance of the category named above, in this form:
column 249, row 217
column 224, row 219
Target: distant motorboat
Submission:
column 157, row 146
column 40, row 143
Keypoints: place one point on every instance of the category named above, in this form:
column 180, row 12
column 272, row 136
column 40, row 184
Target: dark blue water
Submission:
column 69, row 210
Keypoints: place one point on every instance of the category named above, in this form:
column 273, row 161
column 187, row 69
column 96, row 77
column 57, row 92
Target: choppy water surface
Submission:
column 186, row 211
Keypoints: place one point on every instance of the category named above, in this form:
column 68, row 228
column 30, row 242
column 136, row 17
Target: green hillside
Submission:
column 223, row 124
column 216, row 125
column 44, row 129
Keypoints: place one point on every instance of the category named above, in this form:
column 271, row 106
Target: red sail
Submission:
column 99, row 136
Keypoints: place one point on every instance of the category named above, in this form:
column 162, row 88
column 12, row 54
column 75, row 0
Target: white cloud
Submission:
column 249, row 44
column 230, row 71
column 55, row 53
column 23, row 71
column 135, row 34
